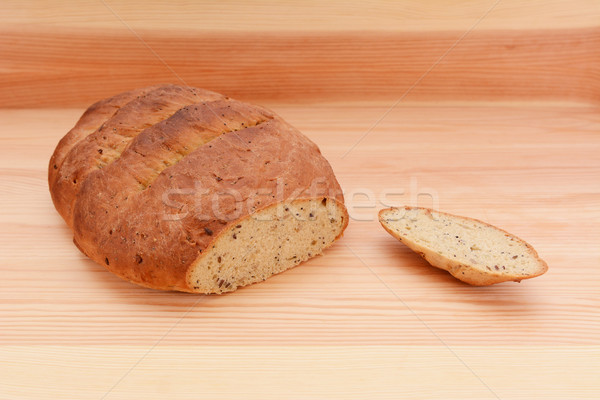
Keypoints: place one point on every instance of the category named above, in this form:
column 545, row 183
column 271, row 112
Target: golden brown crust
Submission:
column 461, row 271
column 104, row 144
column 150, row 210
column 89, row 122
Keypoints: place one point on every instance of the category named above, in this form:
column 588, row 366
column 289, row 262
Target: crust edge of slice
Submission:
column 465, row 272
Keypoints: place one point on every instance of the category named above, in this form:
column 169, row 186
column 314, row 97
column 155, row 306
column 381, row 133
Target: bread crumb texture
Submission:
column 179, row 188
column 471, row 250
column 266, row 243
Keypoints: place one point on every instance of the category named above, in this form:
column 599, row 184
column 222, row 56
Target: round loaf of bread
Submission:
column 178, row 188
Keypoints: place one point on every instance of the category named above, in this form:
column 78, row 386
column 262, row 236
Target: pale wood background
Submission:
column 510, row 135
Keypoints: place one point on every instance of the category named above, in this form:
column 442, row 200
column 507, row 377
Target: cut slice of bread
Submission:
column 471, row 250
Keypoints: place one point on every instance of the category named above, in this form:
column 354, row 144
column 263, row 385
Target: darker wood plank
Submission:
column 62, row 68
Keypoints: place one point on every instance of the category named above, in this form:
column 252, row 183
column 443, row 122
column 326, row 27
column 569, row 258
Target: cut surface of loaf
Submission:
column 471, row 250
column 179, row 188
column 266, row 243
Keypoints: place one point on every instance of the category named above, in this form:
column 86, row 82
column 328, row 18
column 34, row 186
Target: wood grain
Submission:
column 56, row 55
column 300, row 372
column 368, row 319
column 74, row 68
column 533, row 171
column 299, row 16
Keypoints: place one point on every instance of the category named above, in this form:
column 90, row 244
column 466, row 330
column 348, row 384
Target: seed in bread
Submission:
column 471, row 250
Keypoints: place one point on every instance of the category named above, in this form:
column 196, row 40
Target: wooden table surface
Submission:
column 489, row 109
column 369, row 319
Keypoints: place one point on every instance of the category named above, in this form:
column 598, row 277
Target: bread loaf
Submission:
column 179, row 188
column 471, row 250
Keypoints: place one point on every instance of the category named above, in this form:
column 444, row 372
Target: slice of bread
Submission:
column 471, row 250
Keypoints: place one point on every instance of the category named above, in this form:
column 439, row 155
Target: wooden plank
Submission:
column 60, row 68
column 299, row 372
column 300, row 16
column 534, row 171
